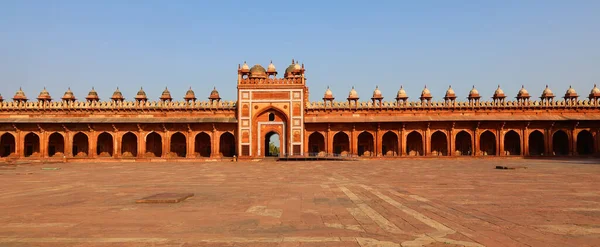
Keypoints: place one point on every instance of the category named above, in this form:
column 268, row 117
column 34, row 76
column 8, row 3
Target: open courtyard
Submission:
column 405, row 202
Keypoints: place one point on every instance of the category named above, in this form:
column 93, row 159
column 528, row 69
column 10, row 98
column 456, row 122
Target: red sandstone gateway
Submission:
column 268, row 106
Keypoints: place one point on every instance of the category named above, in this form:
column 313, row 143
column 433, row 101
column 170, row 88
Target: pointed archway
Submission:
column 272, row 144
column 585, row 143
column 487, row 143
column 439, row 144
column 104, row 145
column 341, row 144
column 512, row 143
column 463, row 143
column 316, row 144
column 56, row 145
column 129, row 145
column 178, row 145
column 7, row 145
column 202, row 145
column 227, row 145
column 414, row 144
column 80, row 145
column 560, row 143
column 536, row 143
column 32, row 145
column 389, row 144
column 365, row 144
column 153, row 145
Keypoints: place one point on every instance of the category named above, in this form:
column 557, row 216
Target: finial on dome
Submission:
column 292, row 61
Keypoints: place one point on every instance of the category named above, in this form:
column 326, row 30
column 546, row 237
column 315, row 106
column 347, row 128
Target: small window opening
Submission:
column 271, row 117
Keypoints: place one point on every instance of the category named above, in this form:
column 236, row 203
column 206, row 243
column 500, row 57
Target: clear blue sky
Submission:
column 105, row 44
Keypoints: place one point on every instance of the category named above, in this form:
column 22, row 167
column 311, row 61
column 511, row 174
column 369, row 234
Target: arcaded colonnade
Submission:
column 117, row 141
column 453, row 139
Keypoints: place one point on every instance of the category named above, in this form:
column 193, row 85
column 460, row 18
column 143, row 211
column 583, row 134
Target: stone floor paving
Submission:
column 407, row 202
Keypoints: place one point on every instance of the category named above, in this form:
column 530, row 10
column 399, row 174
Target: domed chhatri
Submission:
column 117, row 96
column 20, row 96
column 166, row 95
column 595, row 92
column 547, row 93
column 499, row 94
column 69, row 96
column 190, row 95
column 44, row 96
column 92, row 96
column 401, row 95
column 141, row 95
column 328, row 94
column 271, row 69
column 257, row 71
column 523, row 95
column 353, row 95
column 571, row 93
column 450, row 95
column 474, row 94
column 294, row 69
column 425, row 94
column 214, row 95
column 245, row 68
column 377, row 93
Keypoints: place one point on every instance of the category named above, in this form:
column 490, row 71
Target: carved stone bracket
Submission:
column 164, row 127
column 140, row 129
column 64, row 127
column 40, row 128
column 115, row 127
column 189, row 128
column 15, row 127
column 91, row 127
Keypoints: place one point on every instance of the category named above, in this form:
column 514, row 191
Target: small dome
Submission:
column 547, row 93
column 44, row 95
column 189, row 95
column 426, row 92
column 257, row 71
column 353, row 94
column 141, row 95
column 595, row 90
column 570, row 92
column 377, row 93
column 92, row 95
column 499, row 93
column 245, row 66
column 450, row 92
column 214, row 94
column 271, row 68
column 293, row 68
column 68, row 95
column 523, row 92
column 117, row 95
column 297, row 66
column 401, row 93
column 473, row 91
column 166, row 95
column 328, row 94
column 20, row 95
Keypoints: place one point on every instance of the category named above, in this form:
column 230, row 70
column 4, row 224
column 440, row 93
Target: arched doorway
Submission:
column 414, row 144
column 487, row 143
column 536, row 143
column 129, row 145
column 341, row 144
column 463, row 143
column 439, row 144
column 8, row 144
column 272, row 144
column 80, row 145
column 365, row 144
column 316, row 144
column 560, row 143
column 389, row 144
column 512, row 143
column 202, row 145
column 585, row 143
column 104, row 145
column 227, row 145
column 56, row 145
column 153, row 145
column 178, row 144
column 32, row 145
